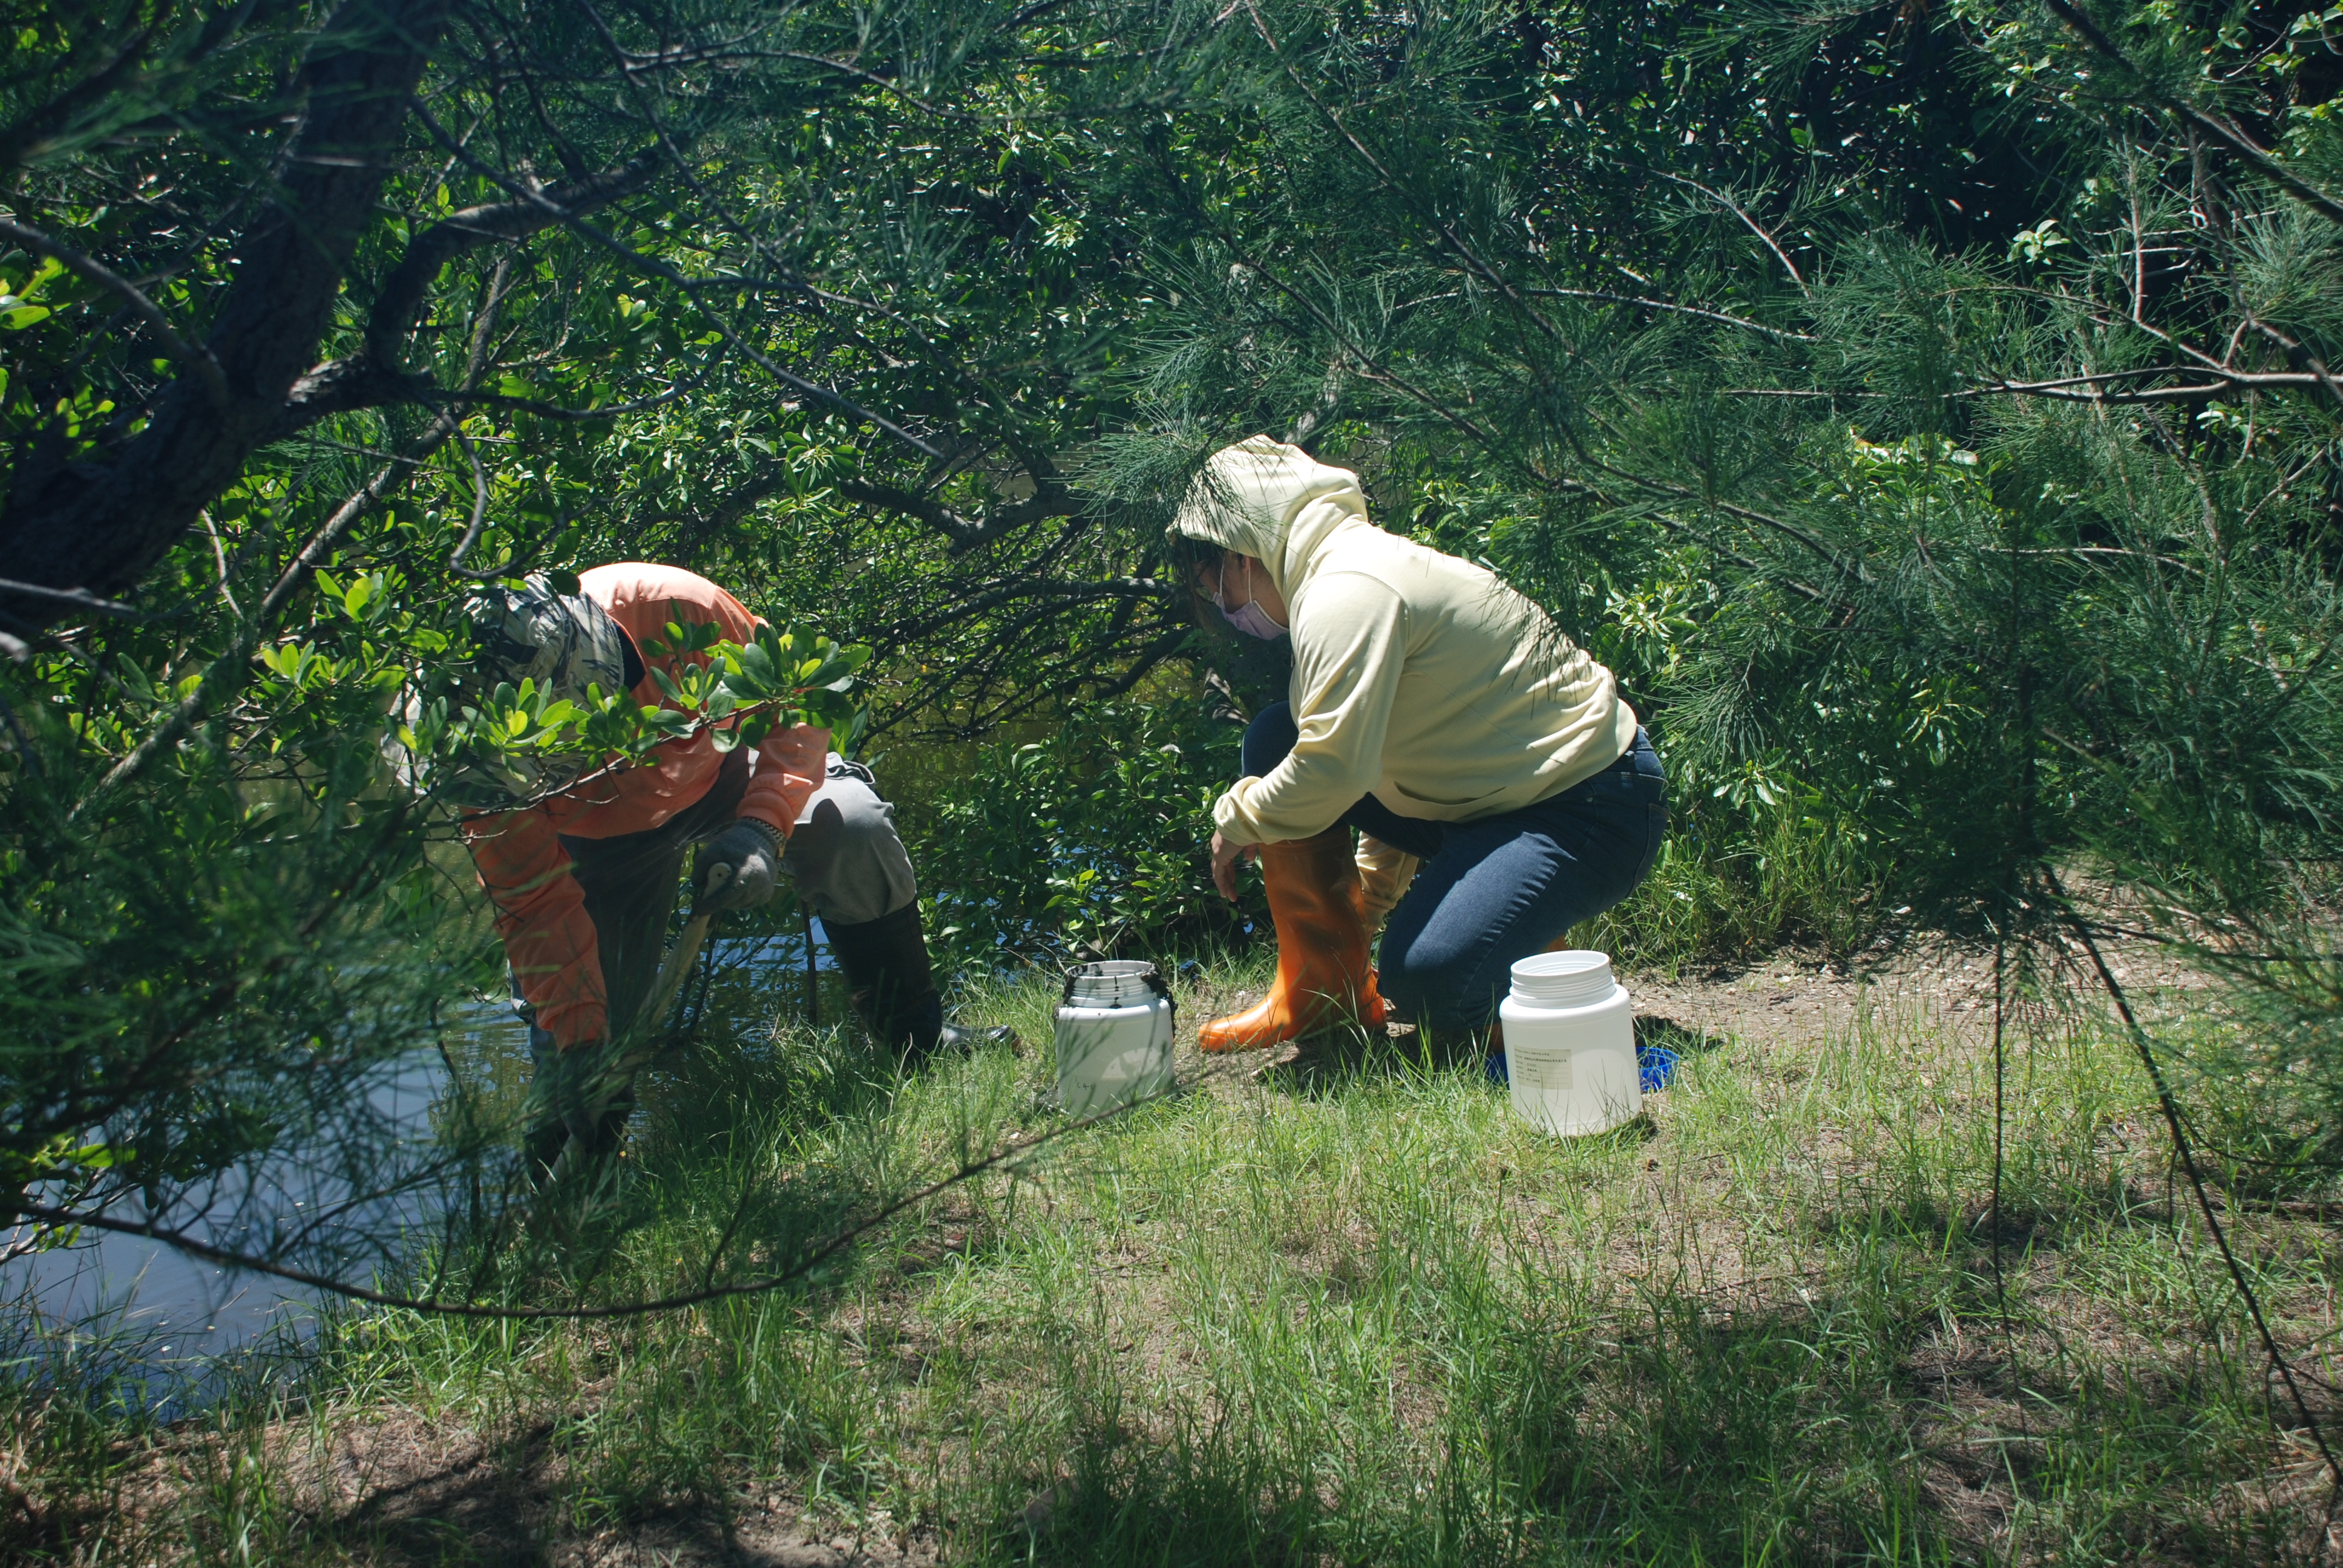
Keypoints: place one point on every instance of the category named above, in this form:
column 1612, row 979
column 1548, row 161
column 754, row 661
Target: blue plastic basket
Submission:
column 1655, row 1065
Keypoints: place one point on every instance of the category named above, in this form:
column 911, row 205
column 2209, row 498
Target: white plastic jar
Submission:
column 1569, row 1044
column 1113, row 1037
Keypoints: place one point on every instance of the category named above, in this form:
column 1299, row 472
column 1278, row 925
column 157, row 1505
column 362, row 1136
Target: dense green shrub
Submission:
column 1095, row 836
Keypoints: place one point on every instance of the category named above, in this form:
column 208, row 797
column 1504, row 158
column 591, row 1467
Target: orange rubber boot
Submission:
column 1324, row 975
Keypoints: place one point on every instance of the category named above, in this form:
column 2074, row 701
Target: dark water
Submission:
column 163, row 1328
column 158, row 1325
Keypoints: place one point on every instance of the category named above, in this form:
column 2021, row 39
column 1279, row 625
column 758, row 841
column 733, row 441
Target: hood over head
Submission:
column 1277, row 503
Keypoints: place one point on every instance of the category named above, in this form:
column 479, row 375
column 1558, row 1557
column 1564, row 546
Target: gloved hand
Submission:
column 1385, row 877
column 753, row 852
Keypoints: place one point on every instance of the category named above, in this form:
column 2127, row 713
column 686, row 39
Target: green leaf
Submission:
column 756, row 676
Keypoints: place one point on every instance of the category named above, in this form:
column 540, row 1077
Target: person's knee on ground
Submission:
column 1447, row 956
column 1446, row 991
column 1515, row 885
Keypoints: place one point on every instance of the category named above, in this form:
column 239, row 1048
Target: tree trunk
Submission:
column 102, row 522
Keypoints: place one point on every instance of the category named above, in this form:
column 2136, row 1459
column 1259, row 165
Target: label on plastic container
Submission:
column 1542, row 1072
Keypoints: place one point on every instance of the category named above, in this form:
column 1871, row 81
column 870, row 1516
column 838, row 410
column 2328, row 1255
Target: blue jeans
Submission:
column 1500, row 888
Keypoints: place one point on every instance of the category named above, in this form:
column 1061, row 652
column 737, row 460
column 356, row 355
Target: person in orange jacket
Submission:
column 584, row 876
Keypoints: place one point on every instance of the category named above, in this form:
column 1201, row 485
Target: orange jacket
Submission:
column 540, row 911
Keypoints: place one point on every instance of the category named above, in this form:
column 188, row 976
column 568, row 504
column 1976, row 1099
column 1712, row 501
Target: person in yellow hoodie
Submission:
column 1484, row 756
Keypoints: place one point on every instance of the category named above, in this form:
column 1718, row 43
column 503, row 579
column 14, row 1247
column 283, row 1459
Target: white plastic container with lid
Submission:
column 1569, row 1044
column 1113, row 1036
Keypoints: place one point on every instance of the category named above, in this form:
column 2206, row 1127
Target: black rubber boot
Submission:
column 893, row 987
column 953, row 1037
column 889, row 980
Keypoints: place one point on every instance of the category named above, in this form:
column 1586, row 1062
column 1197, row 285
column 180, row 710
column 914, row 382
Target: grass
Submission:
column 1338, row 1309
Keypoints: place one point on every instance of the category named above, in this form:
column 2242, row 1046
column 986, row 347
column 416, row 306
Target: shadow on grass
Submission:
column 1334, row 1059
column 1434, row 1376
column 1321, row 1062
column 1672, row 1439
column 1688, row 1433
column 1653, row 1033
column 752, row 1147
column 486, row 1504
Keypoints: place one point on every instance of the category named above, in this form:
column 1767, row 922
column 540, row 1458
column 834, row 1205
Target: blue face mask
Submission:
column 1249, row 617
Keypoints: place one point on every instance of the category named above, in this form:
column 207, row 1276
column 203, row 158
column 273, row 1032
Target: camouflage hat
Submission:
column 479, row 777
column 563, row 642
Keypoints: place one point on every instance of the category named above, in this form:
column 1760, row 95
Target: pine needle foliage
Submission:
column 1928, row 411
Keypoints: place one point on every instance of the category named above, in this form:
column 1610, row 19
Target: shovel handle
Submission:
column 642, row 1033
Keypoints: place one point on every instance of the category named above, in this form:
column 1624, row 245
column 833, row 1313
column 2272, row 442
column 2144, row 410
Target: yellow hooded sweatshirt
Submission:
column 1418, row 677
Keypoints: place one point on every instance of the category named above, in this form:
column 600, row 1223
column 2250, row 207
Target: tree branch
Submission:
column 91, row 270
column 75, row 598
column 1154, row 654
column 1049, row 499
column 1429, row 215
column 1759, row 229
column 966, row 608
column 1674, row 309
column 2220, row 130
column 228, row 673
column 651, row 267
column 101, row 521
column 21, row 140
column 404, row 292
column 377, row 377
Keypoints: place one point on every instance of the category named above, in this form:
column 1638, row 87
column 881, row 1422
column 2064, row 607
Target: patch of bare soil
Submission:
column 405, row 1490
column 1790, row 998
column 402, row 1491
column 1795, row 999
column 758, row 1535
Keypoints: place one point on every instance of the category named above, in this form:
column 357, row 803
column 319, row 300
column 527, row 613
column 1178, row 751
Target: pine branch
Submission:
column 1777, row 333
column 2219, row 129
